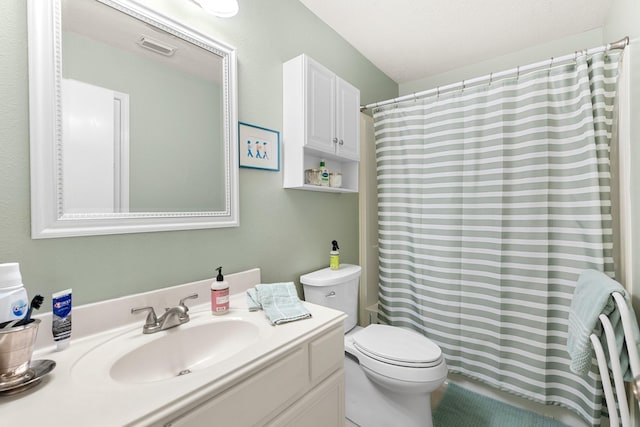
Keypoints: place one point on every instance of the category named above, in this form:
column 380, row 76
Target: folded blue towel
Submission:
column 591, row 298
column 252, row 300
column 279, row 301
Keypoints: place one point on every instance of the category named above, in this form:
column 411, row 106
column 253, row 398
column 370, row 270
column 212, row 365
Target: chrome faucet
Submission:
column 172, row 317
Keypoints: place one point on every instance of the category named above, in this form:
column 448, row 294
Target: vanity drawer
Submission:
column 252, row 400
column 326, row 354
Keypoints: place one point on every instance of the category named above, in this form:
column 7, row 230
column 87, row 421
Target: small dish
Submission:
column 33, row 376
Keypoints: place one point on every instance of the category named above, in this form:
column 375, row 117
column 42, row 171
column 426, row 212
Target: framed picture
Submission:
column 259, row 148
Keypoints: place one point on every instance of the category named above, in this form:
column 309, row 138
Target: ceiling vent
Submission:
column 156, row 46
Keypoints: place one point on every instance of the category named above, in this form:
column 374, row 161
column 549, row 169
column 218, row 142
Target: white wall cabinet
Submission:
column 321, row 114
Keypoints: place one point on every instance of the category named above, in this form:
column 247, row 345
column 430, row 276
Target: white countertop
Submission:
column 66, row 398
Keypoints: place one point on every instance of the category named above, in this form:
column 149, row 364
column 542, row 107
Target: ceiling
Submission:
column 413, row 39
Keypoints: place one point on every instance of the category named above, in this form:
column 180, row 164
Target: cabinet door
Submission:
column 348, row 120
column 321, row 112
column 249, row 402
column 324, row 406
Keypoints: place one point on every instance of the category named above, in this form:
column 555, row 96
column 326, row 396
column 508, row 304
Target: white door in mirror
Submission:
column 96, row 148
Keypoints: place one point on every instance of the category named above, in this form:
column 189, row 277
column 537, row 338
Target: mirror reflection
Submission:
column 142, row 116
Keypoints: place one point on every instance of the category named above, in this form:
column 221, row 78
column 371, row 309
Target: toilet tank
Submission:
column 336, row 289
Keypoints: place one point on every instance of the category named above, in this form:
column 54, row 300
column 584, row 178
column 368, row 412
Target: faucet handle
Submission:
column 183, row 309
column 152, row 320
column 193, row 296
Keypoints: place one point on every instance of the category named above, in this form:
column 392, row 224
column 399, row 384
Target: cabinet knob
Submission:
column 335, row 140
column 341, row 142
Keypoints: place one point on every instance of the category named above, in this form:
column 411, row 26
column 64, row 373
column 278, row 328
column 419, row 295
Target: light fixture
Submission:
column 156, row 46
column 221, row 8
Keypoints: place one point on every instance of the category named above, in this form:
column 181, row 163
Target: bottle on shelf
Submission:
column 324, row 174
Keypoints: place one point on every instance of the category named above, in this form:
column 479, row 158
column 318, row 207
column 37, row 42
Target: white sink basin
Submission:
column 135, row 358
column 182, row 351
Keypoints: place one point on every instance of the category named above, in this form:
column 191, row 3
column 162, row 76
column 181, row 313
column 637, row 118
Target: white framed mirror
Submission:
column 133, row 121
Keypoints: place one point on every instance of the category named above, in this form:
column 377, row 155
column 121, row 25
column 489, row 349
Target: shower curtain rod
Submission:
column 620, row 44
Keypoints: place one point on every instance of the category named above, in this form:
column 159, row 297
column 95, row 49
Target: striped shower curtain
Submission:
column 492, row 200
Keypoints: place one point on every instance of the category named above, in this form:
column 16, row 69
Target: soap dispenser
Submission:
column 219, row 294
column 334, row 256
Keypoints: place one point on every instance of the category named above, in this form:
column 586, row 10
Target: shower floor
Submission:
column 460, row 407
column 558, row 413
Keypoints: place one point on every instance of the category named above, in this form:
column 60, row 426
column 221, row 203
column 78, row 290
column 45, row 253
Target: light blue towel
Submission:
column 252, row 300
column 279, row 301
column 591, row 298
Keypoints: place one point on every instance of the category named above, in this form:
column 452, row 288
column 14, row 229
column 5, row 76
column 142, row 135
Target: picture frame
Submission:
column 258, row 147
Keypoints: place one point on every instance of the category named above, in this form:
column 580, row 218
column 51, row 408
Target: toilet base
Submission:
column 369, row 405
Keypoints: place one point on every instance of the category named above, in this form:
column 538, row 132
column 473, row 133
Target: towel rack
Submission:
column 614, row 357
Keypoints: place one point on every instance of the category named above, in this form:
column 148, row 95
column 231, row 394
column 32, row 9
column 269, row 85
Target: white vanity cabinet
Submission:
column 303, row 386
column 321, row 122
column 285, row 375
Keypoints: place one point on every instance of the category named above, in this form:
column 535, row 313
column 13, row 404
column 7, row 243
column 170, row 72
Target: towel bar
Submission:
column 614, row 360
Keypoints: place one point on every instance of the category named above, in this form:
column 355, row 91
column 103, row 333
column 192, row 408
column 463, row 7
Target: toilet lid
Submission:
column 398, row 346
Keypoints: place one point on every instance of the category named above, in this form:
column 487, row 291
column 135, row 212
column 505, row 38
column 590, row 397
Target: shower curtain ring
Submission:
column 463, row 86
column 518, row 72
column 490, row 78
column 438, row 92
column 551, row 63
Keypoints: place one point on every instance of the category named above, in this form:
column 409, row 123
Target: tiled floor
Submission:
column 436, row 396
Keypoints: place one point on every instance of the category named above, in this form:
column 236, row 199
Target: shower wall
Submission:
column 368, row 224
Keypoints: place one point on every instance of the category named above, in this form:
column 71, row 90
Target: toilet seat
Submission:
column 394, row 355
column 397, row 346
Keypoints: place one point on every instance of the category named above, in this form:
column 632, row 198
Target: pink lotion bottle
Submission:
column 219, row 294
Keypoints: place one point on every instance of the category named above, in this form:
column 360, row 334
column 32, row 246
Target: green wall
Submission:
column 284, row 232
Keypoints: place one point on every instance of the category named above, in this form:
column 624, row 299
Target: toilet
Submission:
column 390, row 372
